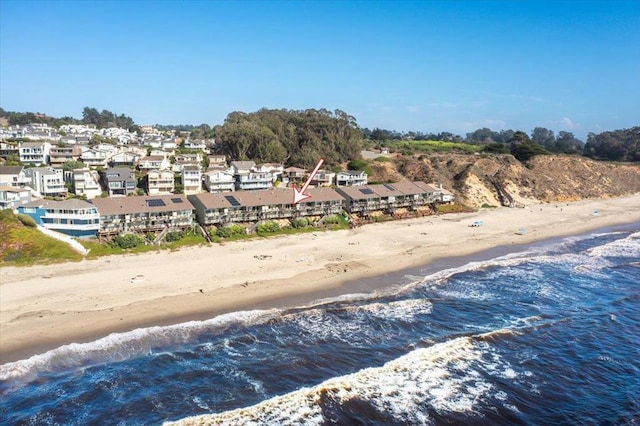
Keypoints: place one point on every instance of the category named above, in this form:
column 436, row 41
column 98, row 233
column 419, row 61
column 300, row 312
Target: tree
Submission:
column 524, row 148
column 567, row 143
column 544, row 137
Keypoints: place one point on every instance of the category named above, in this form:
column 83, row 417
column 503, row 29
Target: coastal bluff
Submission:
column 486, row 180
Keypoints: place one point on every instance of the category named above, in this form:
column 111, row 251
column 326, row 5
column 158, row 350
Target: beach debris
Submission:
column 262, row 256
column 201, row 291
column 137, row 279
column 476, row 224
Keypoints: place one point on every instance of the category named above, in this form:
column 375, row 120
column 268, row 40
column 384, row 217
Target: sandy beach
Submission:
column 43, row 307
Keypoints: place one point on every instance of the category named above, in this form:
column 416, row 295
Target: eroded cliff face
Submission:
column 501, row 179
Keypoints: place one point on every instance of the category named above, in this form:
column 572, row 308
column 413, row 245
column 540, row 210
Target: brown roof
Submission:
column 128, row 205
column 10, row 170
column 275, row 196
column 72, row 204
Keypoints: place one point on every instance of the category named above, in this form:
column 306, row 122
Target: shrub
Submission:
column 382, row 159
column 356, row 165
column 173, row 236
column 332, row 220
column 224, row 232
column 238, row 230
column 300, row 223
column 126, row 241
column 267, row 228
column 27, row 221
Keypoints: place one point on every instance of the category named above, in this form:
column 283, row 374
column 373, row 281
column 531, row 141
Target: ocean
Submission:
column 548, row 334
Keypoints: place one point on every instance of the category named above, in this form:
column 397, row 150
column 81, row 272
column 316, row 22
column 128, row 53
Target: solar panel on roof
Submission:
column 366, row 191
column 232, row 200
column 389, row 187
column 155, row 202
column 177, row 200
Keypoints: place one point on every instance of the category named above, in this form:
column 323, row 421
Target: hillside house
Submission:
column 351, row 178
column 76, row 218
column 93, row 157
column 119, row 182
column 58, row 155
column 192, row 179
column 160, row 182
column 14, row 176
column 124, row 159
column 292, row 175
column 153, row 162
column 323, row 178
column 220, row 180
column 12, row 197
column 35, row 153
column 47, row 181
column 86, row 182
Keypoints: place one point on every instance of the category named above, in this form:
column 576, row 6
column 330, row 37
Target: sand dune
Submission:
column 42, row 307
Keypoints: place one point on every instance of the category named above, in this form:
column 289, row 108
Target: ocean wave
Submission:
column 624, row 247
column 449, row 377
column 122, row 346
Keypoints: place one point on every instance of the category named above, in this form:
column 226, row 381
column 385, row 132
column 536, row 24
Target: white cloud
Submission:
column 569, row 124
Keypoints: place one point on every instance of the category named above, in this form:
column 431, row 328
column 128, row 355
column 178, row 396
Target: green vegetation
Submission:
column 22, row 245
column 267, row 228
column 429, row 147
column 298, row 138
column 27, row 220
column 126, row 241
column 454, row 208
column 618, row 145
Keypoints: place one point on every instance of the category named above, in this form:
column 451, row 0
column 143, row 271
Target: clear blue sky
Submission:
column 403, row 65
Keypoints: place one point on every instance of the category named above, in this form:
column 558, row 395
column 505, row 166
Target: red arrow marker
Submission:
column 299, row 194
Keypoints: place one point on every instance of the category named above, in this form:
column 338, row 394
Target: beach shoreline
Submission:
column 45, row 306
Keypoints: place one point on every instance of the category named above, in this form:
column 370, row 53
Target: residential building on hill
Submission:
column 76, row 218
column 160, row 182
column 58, row 155
column 119, row 182
column 48, row 181
column 86, row 182
column 35, row 153
column 14, row 176
column 220, row 180
column 351, row 178
column 12, row 197
column 192, row 179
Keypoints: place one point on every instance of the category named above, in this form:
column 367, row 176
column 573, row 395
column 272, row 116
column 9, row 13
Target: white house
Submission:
column 220, row 180
column 160, row 182
column 48, row 181
column 11, row 197
column 351, row 178
column 14, row 176
column 86, row 182
column 36, row 153
column 192, row 179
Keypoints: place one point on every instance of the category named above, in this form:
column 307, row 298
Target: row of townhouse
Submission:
column 106, row 217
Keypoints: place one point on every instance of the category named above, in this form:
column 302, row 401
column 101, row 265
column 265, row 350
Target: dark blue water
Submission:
column 546, row 336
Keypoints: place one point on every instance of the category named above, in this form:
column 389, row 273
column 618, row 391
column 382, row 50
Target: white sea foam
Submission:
column 122, row 346
column 447, row 377
column 625, row 247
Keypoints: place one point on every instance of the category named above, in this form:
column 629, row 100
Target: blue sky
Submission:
column 426, row 66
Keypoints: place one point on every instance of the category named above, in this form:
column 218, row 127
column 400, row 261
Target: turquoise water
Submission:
column 550, row 335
